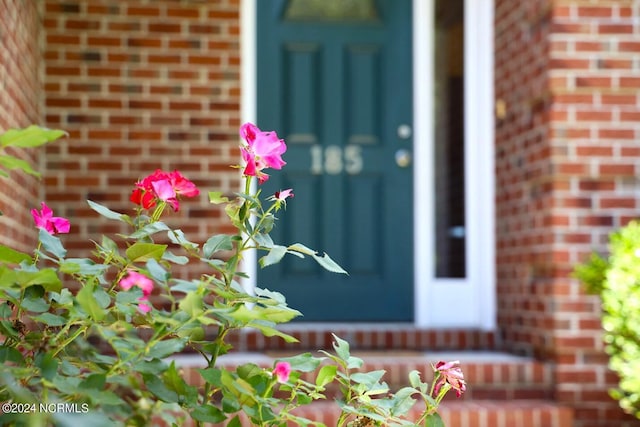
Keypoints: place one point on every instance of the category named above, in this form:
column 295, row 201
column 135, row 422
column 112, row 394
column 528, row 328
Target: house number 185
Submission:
column 333, row 159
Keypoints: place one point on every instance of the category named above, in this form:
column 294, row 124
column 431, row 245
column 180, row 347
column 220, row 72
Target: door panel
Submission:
column 337, row 91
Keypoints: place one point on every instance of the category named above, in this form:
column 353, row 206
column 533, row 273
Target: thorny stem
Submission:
column 222, row 332
column 35, row 261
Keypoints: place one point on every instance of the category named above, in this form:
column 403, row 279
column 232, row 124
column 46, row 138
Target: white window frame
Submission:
column 439, row 303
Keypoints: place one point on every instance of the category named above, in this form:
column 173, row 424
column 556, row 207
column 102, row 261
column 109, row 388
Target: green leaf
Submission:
column 212, row 376
column 149, row 229
column 47, row 278
column 235, row 421
column 402, row 401
column 47, row 364
column 183, row 286
column 414, row 379
column 326, row 375
column 159, row 389
column 249, row 370
column 6, row 311
column 299, row 247
column 217, row 198
column 94, row 381
column 434, row 420
column 324, row 260
column 10, row 354
column 10, row 162
column 176, row 259
column 82, row 266
column 51, row 244
column 275, row 296
column 174, row 381
column 177, row 237
column 32, row 136
column 208, row 414
column 36, row 305
column 69, row 369
column 341, row 347
column 274, row 256
column 304, row 362
column 328, row 264
column 269, row 331
column 267, row 223
column 157, row 272
column 108, row 213
column 142, row 252
column 272, row 314
column 109, row 245
column 153, row 366
column 220, row 242
column 371, row 380
column 192, row 304
column 8, row 277
column 50, row 319
column 102, row 297
column 264, row 241
column 12, row 256
column 166, row 348
column 88, row 302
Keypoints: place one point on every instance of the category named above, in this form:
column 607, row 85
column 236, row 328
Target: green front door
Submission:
column 336, row 85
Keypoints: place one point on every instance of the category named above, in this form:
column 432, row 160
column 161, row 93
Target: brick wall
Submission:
column 20, row 102
column 524, row 185
column 141, row 85
column 595, row 88
column 567, row 167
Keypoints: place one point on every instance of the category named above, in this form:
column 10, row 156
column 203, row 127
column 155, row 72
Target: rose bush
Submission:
column 97, row 334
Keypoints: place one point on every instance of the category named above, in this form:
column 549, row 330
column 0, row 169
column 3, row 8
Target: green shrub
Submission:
column 617, row 281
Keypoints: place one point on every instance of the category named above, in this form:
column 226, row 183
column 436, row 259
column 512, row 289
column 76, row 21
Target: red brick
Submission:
column 179, row 12
column 616, row 133
column 615, row 29
column 143, row 11
column 618, row 202
column 593, row 82
column 588, row 46
column 595, row 12
column 590, row 115
column 629, row 46
column 629, row 82
column 163, row 27
column 619, row 99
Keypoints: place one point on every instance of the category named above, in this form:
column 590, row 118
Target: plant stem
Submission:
column 69, row 340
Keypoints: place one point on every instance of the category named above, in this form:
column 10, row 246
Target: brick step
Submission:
column 364, row 337
column 489, row 375
column 503, row 390
column 480, row 413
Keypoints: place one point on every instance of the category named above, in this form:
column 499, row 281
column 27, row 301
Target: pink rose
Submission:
column 134, row 278
column 282, row 371
column 165, row 186
column 45, row 220
column 263, row 150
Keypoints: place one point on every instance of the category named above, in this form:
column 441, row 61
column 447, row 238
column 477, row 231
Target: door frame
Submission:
column 439, row 303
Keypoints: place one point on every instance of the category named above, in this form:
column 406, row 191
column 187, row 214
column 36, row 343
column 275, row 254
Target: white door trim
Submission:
column 439, row 303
